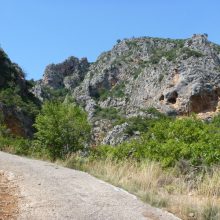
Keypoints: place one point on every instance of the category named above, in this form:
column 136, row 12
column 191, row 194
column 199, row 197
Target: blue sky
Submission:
column 36, row 33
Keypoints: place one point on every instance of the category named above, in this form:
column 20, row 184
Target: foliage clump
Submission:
column 62, row 128
column 110, row 113
column 116, row 91
column 169, row 141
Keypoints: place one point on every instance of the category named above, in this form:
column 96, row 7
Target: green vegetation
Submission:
column 100, row 94
column 116, row 91
column 137, row 72
column 55, row 94
column 137, row 124
column 169, row 141
column 11, row 98
column 172, row 54
column 191, row 53
column 107, row 113
column 10, row 143
column 132, row 44
column 15, row 145
column 14, row 88
column 174, row 158
column 61, row 128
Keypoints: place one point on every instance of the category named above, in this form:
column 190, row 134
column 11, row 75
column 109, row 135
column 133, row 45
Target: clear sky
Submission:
column 36, row 33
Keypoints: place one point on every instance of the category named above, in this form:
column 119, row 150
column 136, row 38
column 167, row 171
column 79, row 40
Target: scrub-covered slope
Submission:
column 18, row 106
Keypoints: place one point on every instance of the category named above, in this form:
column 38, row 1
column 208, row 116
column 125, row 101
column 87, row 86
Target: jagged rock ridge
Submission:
column 66, row 75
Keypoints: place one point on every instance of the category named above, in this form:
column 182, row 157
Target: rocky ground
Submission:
column 49, row 192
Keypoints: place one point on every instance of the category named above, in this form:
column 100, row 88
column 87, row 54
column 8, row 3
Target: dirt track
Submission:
column 8, row 198
column 50, row 192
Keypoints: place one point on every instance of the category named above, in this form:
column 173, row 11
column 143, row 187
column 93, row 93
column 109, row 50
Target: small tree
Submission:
column 61, row 128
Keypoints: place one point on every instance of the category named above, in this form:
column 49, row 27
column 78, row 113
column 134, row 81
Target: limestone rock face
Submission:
column 65, row 75
column 116, row 135
column 175, row 76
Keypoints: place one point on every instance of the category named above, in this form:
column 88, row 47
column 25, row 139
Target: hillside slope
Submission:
column 18, row 106
column 176, row 77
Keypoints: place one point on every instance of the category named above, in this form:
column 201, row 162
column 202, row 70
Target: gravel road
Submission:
column 50, row 192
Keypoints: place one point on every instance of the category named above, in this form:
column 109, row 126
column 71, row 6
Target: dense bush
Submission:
column 170, row 141
column 15, row 145
column 62, row 128
column 110, row 113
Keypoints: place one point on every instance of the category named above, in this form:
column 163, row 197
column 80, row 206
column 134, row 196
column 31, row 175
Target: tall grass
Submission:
column 195, row 197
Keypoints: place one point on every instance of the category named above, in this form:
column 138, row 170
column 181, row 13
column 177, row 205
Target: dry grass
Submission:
column 188, row 197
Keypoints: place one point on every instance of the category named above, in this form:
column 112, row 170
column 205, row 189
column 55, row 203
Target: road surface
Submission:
column 50, row 192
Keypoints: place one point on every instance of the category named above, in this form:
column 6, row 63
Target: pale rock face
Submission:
column 116, row 135
column 66, row 75
column 172, row 75
column 175, row 76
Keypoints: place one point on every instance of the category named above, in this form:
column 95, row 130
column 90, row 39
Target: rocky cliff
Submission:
column 18, row 106
column 60, row 78
column 176, row 77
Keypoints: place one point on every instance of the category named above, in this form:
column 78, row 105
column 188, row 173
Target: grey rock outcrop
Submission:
column 176, row 77
column 65, row 75
column 116, row 135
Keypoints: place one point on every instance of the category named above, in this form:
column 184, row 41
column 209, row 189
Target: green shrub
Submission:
column 191, row 53
column 15, row 145
column 118, row 90
column 137, row 124
column 170, row 141
column 62, row 128
column 55, row 94
column 110, row 113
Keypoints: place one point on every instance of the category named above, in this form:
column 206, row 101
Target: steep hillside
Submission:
column 176, row 77
column 18, row 106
